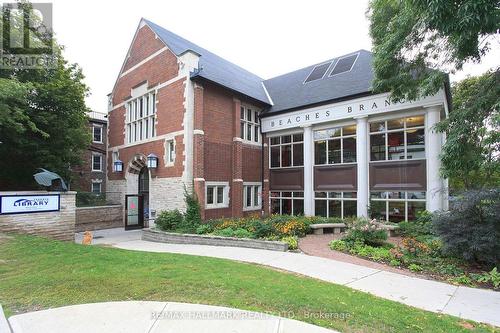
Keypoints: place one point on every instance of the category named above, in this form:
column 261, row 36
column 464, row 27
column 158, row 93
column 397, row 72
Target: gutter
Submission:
column 262, row 162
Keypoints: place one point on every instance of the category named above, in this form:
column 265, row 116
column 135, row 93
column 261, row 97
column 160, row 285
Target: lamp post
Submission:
column 118, row 166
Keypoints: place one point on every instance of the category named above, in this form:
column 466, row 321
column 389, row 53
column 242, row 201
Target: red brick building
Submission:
column 201, row 119
column 91, row 175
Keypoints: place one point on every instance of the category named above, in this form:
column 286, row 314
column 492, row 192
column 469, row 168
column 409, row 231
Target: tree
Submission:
column 414, row 41
column 43, row 120
column 471, row 153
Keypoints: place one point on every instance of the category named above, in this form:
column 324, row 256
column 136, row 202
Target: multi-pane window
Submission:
column 287, row 151
column 287, row 203
column 397, row 139
column 96, row 162
column 97, row 134
column 335, row 204
column 251, row 196
column 170, row 151
column 335, row 145
column 396, row 206
column 249, row 122
column 96, row 187
column 140, row 118
column 217, row 195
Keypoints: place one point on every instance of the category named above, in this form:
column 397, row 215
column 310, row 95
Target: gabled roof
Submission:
column 289, row 91
column 214, row 68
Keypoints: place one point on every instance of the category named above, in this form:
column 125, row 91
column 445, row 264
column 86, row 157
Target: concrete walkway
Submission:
column 469, row 303
column 151, row 317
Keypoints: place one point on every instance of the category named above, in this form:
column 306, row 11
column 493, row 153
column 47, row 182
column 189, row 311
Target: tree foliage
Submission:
column 414, row 41
column 43, row 120
column 471, row 153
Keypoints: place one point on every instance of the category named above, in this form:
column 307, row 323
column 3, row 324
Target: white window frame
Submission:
column 140, row 128
column 406, row 200
column 292, row 143
column 327, row 140
column 100, row 162
column 386, row 132
column 341, row 199
column 170, row 151
column 96, row 183
column 94, row 127
column 225, row 197
column 254, row 205
column 254, row 124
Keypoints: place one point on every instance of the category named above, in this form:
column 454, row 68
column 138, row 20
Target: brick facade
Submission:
column 217, row 153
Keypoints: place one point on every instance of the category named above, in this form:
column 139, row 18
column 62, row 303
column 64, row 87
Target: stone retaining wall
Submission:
column 174, row 238
column 98, row 217
column 57, row 225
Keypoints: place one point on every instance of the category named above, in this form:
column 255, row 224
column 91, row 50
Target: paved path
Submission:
column 152, row 317
column 469, row 303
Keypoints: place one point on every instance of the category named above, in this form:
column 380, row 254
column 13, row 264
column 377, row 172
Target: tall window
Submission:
column 396, row 206
column 96, row 162
column 287, row 151
column 140, row 118
column 335, row 145
column 97, row 134
column 397, row 139
column 287, row 203
column 249, row 122
column 170, row 150
column 216, row 195
column 251, row 196
column 96, row 187
column 335, row 204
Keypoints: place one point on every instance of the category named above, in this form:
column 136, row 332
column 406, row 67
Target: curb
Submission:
column 4, row 324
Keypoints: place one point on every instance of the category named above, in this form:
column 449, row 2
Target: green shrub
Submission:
column 395, row 263
column 448, row 269
column 261, row 229
column 470, row 229
column 462, row 279
column 169, row 220
column 89, row 199
column 415, row 268
column 365, row 231
column 493, row 276
column 338, row 245
column 292, row 241
column 242, row 233
column 192, row 217
column 227, row 232
column 422, row 226
column 204, row 229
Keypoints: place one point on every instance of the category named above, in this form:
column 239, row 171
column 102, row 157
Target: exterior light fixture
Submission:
column 152, row 161
column 118, row 166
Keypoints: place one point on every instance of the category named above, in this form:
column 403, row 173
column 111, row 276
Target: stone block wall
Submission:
column 57, row 225
column 98, row 217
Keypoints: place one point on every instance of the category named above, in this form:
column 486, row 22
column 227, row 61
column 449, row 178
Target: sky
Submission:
column 266, row 37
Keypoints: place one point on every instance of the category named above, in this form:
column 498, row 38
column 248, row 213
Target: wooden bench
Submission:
column 318, row 229
column 390, row 229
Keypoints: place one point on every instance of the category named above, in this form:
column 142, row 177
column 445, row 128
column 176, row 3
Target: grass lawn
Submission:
column 37, row 273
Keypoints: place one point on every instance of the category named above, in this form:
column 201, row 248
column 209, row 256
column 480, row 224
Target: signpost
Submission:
column 27, row 204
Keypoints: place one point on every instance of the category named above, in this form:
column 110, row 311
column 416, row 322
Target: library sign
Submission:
column 32, row 203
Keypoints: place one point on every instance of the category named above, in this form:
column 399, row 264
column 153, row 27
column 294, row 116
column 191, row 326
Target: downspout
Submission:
column 261, row 167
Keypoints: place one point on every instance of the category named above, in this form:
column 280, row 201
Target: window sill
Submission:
column 249, row 209
column 216, row 206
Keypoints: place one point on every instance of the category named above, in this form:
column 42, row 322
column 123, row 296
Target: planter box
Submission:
column 174, row 238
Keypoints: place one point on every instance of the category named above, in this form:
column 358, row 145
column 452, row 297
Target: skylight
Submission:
column 318, row 72
column 344, row 64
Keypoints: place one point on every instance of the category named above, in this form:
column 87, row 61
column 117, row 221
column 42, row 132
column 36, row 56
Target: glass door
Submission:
column 134, row 212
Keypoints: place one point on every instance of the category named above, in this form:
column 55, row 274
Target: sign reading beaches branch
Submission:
column 25, row 204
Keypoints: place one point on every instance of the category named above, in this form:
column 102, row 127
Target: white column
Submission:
column 432, row 151
column 308, row 171
column 362, row 162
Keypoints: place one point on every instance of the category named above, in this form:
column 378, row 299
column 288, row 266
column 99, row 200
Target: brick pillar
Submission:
column 199, row 149
column 237, row 164
column 266, row 189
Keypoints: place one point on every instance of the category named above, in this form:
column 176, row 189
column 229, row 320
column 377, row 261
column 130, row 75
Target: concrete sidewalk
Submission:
column 468, row 303
column 152, row 317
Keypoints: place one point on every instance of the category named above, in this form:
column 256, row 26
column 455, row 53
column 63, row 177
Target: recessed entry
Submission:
column 318, row 72
column 344, row 64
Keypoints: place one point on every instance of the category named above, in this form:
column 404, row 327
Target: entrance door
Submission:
column 134, row 212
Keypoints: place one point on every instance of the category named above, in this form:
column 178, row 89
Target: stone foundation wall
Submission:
column 166, row 194
column 57, row 225
column 99, row 217
column 173, row 238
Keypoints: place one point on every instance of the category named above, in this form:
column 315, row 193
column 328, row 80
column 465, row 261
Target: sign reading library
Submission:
column 25, row 204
